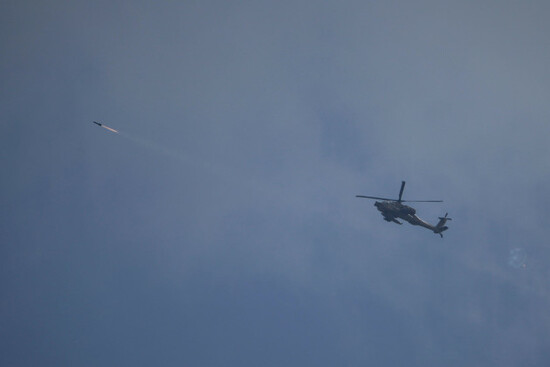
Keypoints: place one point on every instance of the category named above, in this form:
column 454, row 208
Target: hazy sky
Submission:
column 221, row 228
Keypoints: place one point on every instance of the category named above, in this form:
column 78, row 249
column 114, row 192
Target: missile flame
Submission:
column 110, row 129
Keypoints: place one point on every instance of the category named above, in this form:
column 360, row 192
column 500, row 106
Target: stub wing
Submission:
column 391, row 219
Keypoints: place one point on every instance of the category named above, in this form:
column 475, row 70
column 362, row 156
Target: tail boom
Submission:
column 437, row 229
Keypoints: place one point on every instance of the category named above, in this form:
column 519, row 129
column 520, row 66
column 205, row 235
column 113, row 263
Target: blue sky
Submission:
column 220, row 226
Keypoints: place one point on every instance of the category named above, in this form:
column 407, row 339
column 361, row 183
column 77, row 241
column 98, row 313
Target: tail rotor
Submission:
column 441, row 227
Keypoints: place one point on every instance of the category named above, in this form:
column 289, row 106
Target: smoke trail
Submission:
column 220, row 172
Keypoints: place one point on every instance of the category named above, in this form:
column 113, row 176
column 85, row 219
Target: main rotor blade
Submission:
column 421, row 201
column 373, row 197
column 401, row 191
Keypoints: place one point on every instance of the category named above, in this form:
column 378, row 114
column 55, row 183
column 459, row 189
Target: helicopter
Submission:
column 392, row 209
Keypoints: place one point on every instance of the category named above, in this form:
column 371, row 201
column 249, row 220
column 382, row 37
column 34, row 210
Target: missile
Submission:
column 105, row 126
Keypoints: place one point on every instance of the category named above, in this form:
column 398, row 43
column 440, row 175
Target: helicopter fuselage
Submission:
column 391, row 210
column 394, row 209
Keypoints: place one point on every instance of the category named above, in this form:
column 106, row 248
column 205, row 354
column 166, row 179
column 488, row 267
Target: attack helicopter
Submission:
column 392, row 209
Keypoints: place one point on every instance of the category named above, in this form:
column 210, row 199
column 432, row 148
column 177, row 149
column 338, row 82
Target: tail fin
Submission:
column 441, row 227
column 443, row 220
